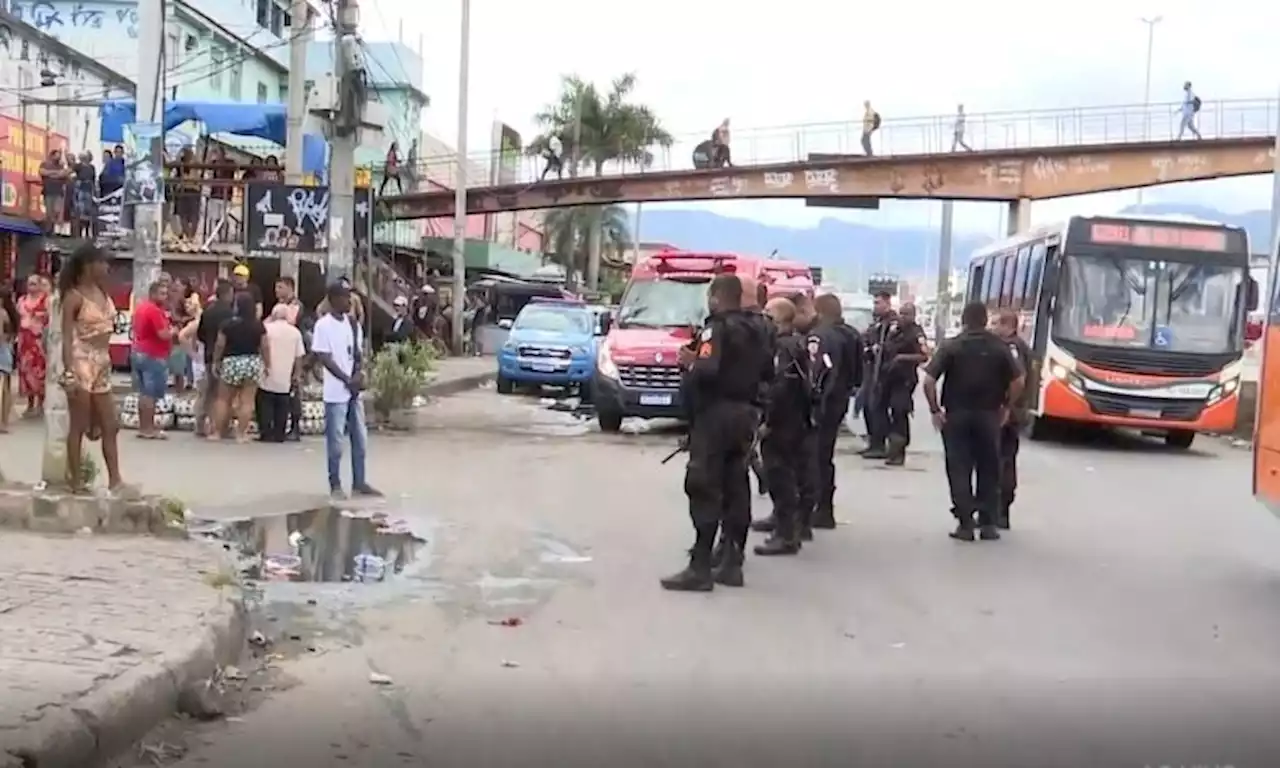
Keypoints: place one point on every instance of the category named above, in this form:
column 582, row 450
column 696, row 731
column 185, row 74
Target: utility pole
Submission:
column 942, row 311
column 460, row 183
column 299, row 39
column 1146, row 91
column 347, row 64
column 148, row 218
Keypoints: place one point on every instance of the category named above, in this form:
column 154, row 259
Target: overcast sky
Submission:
column 814, row 61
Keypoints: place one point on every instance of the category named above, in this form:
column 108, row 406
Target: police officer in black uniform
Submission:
column 806, row 319
column 836, row 363
column 1007, row 329
column 903, row 354
column 980, row 381
column 788, row 424
column 757, row 460
column 724, row 373
column 874, row 410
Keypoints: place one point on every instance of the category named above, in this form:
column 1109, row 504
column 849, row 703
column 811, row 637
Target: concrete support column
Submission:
column 1019, row 216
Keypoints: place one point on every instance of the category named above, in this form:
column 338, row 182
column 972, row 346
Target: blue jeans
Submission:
column 345, row 420
column 150, row 376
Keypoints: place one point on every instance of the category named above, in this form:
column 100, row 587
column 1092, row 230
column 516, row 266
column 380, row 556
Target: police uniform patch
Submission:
column 1013, row 350
column 814, row 346
column 706, row 334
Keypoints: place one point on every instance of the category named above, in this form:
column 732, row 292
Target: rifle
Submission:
column 681, row 447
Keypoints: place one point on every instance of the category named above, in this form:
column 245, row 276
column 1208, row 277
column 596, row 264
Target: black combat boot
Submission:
column 729, row 572
column 875, row 453
column 782, row 542
column 824, row 519
column 963, row 531
column 764, row 524
column 717, row 554
column 804, row 533
column 696, row 577
column 897, row 452
column 988, row 533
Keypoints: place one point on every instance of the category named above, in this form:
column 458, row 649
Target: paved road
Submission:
column 1131, row 619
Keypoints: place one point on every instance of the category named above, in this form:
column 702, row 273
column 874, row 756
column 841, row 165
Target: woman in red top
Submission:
column 33, row 319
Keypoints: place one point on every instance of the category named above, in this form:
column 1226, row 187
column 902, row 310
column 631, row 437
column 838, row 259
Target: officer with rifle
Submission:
column 788, row 423
column 874, row 409
column 900, row 360
column 722, row 387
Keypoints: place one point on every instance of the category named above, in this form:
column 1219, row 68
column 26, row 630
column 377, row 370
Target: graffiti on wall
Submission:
column 54, row 17
column 286, row 217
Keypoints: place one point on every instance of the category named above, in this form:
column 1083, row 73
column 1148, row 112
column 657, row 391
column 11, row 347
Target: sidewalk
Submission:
column 453, row 375
column 98, row 635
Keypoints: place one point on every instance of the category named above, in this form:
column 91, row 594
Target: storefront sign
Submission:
column 22, row 149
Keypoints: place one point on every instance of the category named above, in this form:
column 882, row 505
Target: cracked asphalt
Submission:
column 1132, row 618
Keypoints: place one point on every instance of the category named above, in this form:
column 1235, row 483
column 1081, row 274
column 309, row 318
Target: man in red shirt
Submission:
column 152, row 343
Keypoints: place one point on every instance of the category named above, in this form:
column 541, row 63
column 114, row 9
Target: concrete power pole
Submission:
column 148, row 218
column 460, row 183
column 299, row 39
column 942, row 311
column 347, row 63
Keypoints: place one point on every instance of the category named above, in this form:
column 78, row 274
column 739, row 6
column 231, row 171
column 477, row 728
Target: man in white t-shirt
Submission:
column 336, row 345
column 285, row 351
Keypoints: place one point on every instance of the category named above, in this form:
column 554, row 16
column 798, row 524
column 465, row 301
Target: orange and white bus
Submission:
column 1134, row 322
column 1266, row 425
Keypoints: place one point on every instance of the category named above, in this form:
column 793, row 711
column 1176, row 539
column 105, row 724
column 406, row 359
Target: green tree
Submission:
column 568, row 232
column 597, row 128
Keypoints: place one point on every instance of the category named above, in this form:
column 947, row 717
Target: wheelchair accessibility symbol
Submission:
column 1164, row 336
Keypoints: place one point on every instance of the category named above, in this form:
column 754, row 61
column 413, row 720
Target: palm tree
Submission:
column 596, row 129
column 568, row 232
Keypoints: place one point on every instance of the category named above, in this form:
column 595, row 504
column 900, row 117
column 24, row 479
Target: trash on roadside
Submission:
column 233, row 673
column 377, row 678
column 510, row 664
column 278, row 567
column 369, row 567
column 510, row 621
column 258, row 639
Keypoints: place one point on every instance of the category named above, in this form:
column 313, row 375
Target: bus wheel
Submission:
column 610, row 421
column 1040, row 428
column 505, row 386
column 1180, row 439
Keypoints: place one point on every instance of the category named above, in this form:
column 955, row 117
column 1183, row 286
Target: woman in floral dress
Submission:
column 33, row 319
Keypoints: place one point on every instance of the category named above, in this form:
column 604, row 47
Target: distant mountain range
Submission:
column 848, row 247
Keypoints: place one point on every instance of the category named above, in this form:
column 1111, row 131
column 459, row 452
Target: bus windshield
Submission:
column 664, row 304
column 1146, row 303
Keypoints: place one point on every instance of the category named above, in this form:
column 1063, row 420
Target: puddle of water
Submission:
column 320, row 545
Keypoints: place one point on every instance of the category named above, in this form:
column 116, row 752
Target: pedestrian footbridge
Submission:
column 1016, row 158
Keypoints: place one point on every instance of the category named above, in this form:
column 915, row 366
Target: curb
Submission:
column 460, row 384
column 114, row 717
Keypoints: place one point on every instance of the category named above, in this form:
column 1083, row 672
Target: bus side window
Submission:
column 1020, row 278
column 974, row 284
column 988, row 269
column 1010, row 272
column 1035, row 268
column 992, row 293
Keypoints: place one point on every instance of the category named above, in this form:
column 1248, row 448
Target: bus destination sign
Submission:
column 1159, row 236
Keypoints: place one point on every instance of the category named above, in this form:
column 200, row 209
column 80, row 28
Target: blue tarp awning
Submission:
column 264, row 121
column 19, row 225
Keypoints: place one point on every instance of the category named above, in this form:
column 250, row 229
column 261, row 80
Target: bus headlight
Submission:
column 605, row 364
column 1223, row 390
column 1070, row 378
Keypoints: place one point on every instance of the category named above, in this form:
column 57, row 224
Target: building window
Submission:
column 277, row 20
column 173, row 42
column 264, row 13
column 262, row 93
column 234, row 85
column 217, row 63
column 284, row 93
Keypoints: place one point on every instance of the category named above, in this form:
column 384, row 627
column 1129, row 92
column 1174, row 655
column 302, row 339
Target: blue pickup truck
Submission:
column 552, row 342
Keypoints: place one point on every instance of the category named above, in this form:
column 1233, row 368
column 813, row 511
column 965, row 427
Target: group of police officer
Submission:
column 784, row 378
